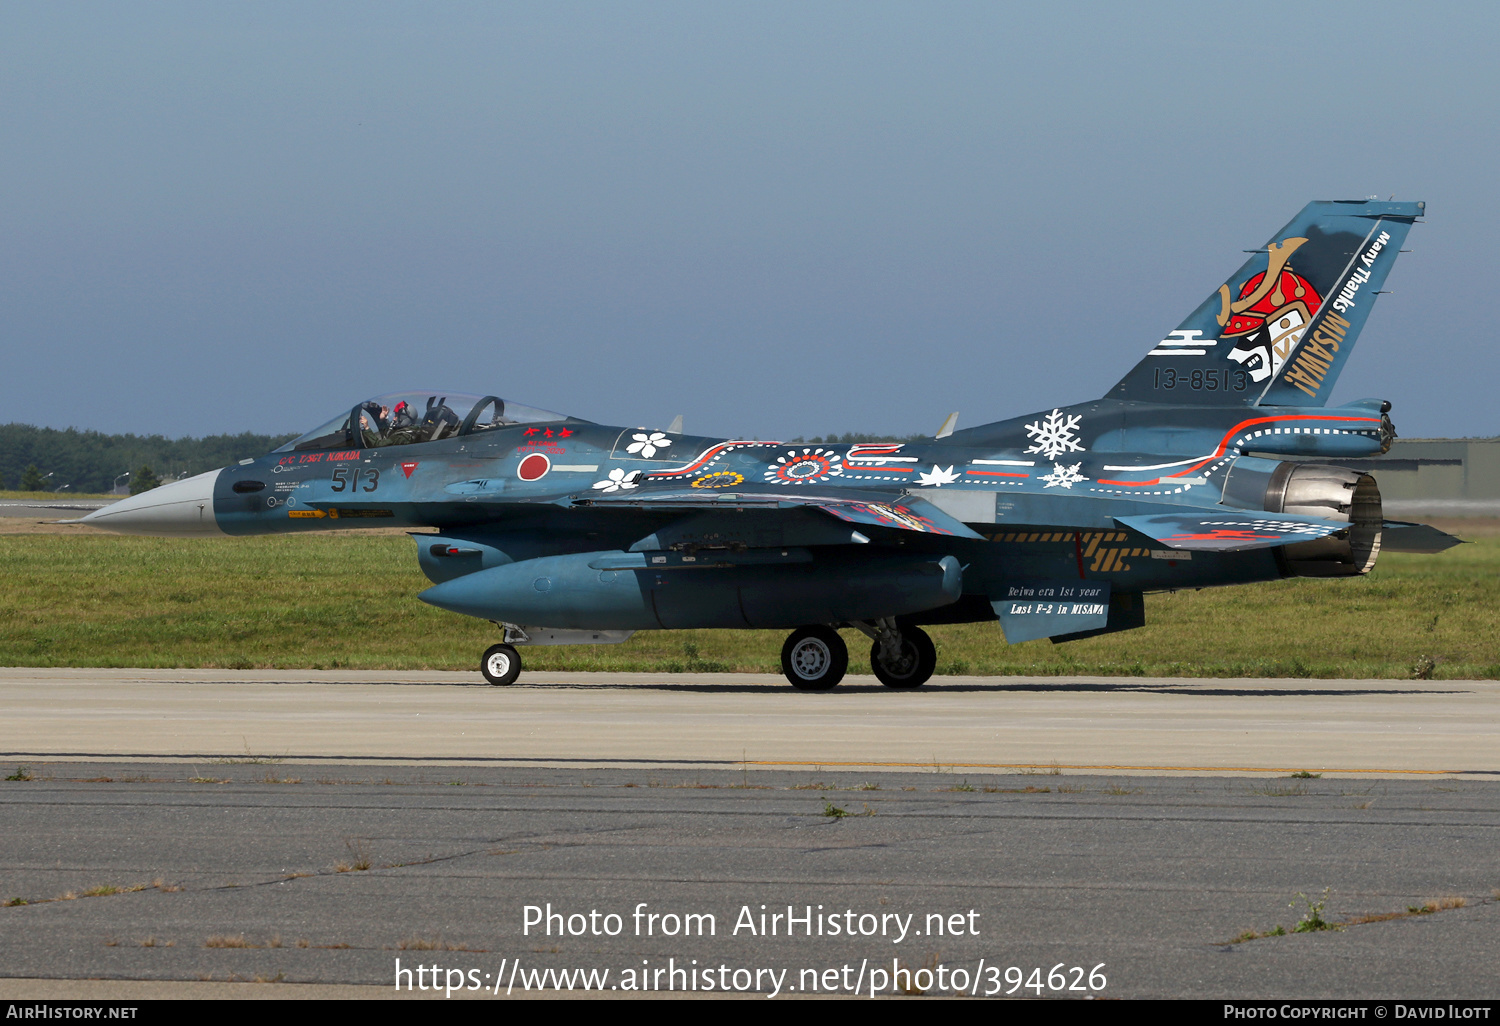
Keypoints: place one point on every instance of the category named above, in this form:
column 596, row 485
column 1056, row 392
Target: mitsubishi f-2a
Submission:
column 1205, row 466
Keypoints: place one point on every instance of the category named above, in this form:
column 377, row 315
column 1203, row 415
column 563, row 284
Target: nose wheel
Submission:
column 814, row 658
column 501, row 665
column 903, row 659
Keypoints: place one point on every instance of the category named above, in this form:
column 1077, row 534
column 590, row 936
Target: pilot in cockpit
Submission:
column 373, row 423
column 405, row 428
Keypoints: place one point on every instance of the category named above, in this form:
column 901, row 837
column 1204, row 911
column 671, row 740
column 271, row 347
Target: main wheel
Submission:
column 914, row 665
column 814, row 658
column 501, row 665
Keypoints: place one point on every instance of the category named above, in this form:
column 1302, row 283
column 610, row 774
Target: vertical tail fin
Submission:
column 1279, row 330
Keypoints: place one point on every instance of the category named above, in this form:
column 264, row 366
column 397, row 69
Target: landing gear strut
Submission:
column 902, row 657
column 814, row 658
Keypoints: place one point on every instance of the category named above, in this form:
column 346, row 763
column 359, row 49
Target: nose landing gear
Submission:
column 501, row 664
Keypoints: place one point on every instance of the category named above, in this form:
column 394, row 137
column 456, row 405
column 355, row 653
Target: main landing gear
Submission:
column 903, row 658
column 815, row 658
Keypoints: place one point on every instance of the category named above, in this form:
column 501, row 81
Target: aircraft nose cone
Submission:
column 180, row 509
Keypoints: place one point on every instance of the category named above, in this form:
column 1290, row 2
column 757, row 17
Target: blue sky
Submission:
column 775, row 219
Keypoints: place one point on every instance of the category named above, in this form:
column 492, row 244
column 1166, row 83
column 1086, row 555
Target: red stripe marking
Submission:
column 1224, row 443
column 707, row 455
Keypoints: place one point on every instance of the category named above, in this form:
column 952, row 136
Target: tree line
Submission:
column 46, row 459
column 34, row 459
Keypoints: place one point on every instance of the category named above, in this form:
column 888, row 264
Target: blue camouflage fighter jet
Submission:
column 1056, row 524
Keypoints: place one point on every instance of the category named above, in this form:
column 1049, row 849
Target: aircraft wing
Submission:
column 1230, row 530
column 902, row 512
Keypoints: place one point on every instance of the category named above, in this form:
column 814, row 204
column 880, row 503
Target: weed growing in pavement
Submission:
column 833, row 811
column 1312, row 920
column 1052, row 769
column 249, row 758
column 359, row 857
column 1443, row 904
column 21, row 773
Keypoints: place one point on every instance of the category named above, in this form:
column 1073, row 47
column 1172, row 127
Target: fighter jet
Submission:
column 1205, row 466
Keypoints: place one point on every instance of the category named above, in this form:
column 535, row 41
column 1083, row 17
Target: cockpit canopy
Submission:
column 405, row 418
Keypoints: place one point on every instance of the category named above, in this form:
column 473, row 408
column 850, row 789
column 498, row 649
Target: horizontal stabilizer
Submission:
column 1229, row 531
column 1399, row 536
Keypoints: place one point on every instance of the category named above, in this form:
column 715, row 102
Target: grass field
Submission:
column 74, row 599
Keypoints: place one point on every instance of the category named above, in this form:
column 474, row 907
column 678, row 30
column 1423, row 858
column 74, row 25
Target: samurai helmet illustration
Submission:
column 1276, row 291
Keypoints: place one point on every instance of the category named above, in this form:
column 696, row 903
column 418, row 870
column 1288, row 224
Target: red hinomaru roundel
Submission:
column 533, row 467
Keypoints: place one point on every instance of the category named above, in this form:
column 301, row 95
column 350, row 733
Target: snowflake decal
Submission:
column 938, row 477
column 808, row 465
column 618, row 480
column 647, row 443
column 1063, row 477
column 1054, row 435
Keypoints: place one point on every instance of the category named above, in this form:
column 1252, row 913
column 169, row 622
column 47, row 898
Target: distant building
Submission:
column 1438, row 476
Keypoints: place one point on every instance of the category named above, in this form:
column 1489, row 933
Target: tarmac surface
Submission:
column 188, row 833
column 1358, row 728
column 54, row 508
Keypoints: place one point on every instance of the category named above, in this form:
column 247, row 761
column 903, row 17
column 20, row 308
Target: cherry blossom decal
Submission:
column 646, row 443
column 619, row 480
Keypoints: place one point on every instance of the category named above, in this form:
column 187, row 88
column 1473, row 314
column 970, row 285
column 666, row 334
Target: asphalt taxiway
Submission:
column 54, row 508
column 1355, row 728
column 187, row 833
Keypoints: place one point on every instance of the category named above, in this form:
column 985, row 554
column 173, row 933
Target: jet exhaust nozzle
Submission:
column 1319, row 490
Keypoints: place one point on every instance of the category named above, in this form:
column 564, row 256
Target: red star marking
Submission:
column 529, row 432
column 565, row 433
